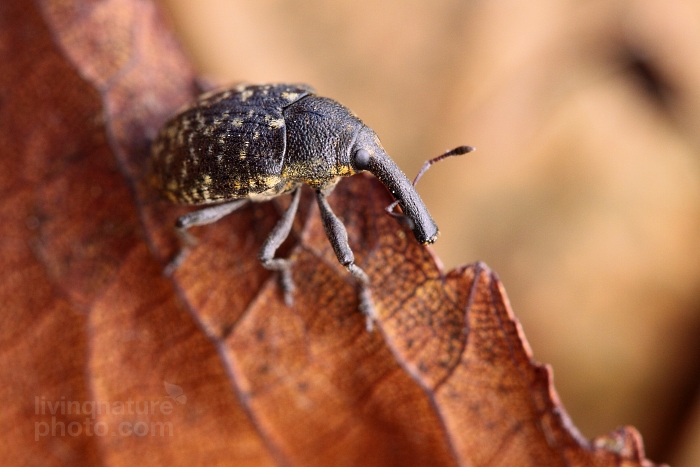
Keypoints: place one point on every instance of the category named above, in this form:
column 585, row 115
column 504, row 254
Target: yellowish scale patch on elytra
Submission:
column 193, row 152
column 194, row 194
column 208, row 94
column 206, row 180
column 237, row 122
column 225, row 95
column 205, row 193
column 277, row 123
column 199, row 119
column 256, row 135
column 241, row 87
column 246, row 94
column 186, row 197
column 290, row 96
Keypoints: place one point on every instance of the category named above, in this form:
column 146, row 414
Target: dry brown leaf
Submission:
column 210, row 367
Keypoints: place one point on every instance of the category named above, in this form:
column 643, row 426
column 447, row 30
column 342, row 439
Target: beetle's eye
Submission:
column 361, row 159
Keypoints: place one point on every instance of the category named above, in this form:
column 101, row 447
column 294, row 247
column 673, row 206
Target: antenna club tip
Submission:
column 463, row 150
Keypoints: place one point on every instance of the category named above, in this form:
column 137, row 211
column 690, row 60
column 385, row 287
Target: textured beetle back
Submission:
column 320, row 134
column 229, row 144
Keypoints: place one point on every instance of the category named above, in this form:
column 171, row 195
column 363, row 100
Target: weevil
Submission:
column 256, row 142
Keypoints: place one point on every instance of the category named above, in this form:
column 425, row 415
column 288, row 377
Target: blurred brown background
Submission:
column 584, row 193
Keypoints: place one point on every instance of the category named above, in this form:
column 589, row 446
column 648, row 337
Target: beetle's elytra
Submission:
column 255, row 142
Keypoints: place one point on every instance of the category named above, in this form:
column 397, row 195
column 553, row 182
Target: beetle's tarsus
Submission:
column 367, row 308
column 201, row 217
column 359, row 274
column 175, row 262
column 338, row 236
column 366, row 305
column 187, row 242
column 284, row 267
column 287, row 284
column 278, row 235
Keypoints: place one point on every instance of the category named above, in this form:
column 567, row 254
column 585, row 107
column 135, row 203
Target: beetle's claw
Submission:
column 287, row 284
column 367, row 308
column 187, row 241
column 175, row 262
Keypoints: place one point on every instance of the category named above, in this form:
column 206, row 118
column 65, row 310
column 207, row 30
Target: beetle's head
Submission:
column 368, row 154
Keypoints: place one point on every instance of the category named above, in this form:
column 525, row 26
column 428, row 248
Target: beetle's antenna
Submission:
column 458, row 151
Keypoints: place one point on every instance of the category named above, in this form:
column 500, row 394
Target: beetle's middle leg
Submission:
column 278, row 235
column 204, row 216
column 338, row 236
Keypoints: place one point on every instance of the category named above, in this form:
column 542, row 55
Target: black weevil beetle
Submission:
column 255, row 142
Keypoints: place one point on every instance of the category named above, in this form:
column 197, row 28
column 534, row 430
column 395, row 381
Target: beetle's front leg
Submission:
column 338, row 236
column 201, row 217
column 278, row 235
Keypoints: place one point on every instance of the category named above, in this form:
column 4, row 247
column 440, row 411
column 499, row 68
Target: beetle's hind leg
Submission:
column 278, row 235
column 201, row 217
column 338, row 236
